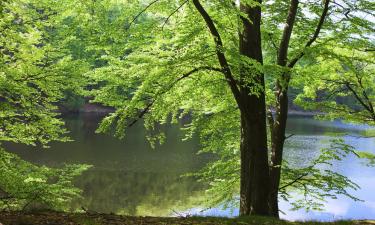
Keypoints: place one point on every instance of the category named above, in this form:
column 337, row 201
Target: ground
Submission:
column 58, row 218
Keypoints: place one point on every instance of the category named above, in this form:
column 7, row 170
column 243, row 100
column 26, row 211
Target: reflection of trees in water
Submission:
column 137, row 193
column 90, row 122
column 82, row 126
column 310, row 126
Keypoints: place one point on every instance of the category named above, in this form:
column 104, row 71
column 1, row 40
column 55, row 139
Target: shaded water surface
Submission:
column 130, row 177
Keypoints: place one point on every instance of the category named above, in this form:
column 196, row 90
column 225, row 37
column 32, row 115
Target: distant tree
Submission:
column 347, row 72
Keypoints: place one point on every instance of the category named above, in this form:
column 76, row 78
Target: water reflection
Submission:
column 309, row 137
column 356, row 170
column 131, row 178
column 138, row 193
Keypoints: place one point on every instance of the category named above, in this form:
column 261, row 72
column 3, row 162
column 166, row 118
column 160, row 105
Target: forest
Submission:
column 187, row 112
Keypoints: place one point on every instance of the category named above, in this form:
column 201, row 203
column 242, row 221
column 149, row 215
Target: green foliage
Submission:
column 33, row 74
column 317, row 182
column 24, row 185
column 367, row 155
column 307, row 187
column 25, row 83
column 33, row 77
column 167, row 68
column 72, row 102
column 156, row 61
column 337, row 77
column 346, row 75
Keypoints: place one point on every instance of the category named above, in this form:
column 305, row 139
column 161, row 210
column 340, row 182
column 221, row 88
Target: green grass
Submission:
column 56, row 218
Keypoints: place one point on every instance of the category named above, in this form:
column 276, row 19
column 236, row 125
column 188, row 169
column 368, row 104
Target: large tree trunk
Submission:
column 282, row 84
column 254, row 188
column 279, row 125
column 259, row 182
column 278, row 139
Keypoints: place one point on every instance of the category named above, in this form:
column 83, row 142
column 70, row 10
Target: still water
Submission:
column 129, row 177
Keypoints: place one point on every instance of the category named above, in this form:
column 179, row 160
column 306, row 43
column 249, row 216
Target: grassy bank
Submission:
column 56, row 218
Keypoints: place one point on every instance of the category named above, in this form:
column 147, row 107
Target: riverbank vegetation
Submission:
column 229, row 65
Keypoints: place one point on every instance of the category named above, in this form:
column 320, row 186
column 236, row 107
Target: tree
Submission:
column 278, row 125
column 32, row 79
column 346, row 86
column 208, row 60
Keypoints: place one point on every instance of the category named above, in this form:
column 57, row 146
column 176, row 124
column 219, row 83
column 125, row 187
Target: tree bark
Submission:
column 254, row 187
column 219, row 51
column 277, row 146
column 254, row 157
column 279, row 126
column 282, row 84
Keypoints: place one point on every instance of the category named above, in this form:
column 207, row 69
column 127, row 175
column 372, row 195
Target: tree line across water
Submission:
column 231, row 65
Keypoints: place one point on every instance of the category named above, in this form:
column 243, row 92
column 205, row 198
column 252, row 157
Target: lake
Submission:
column 129, row 177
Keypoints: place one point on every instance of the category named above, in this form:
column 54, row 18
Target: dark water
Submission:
column 130, row 177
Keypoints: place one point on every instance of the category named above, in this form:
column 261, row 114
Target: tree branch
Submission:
column 273, row 43
column 151, row 103
column 315, row 35
column 364, row 93
column 219, row 51
column 294, row 181
column 284, row 43
column 141, row 12
column 282, row 58
column 174, row 11
column 271, row 121
column 289, row 136
column 358, row 97
column 142, row 113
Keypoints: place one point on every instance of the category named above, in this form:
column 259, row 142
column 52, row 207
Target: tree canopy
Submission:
column 34, row 73
column 227, row 65
column 186, row 58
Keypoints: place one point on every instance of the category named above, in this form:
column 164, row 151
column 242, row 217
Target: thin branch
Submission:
column 141, row 12
column 320, row 24
column 151, row 103
column 271, row 121
column 294, row 181
column 219, row 51
column 338, row 82
column 364, row 93
column 289, row 136
column 358, row 98
column 176, row 10
column 346, row 11
column 315, row 35
column 284, row 43
column 334, row 93
column 142, row 113
column 273, row 43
